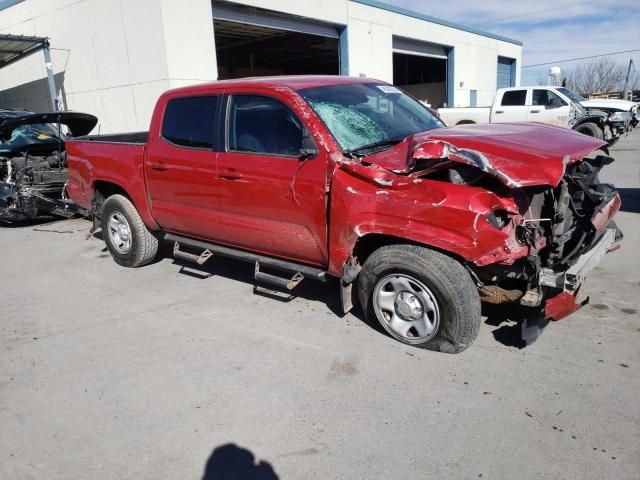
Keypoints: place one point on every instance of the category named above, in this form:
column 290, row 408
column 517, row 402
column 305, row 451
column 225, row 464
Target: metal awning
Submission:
column 17, row 47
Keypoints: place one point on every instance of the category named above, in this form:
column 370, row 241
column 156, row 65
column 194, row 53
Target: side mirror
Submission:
column 308, row 148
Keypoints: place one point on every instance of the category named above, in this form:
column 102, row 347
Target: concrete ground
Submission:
column 113, row 373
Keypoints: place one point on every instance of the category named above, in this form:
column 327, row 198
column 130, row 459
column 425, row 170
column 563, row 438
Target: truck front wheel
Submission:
column 590, row 129
column 128, row 239
column 420, row 297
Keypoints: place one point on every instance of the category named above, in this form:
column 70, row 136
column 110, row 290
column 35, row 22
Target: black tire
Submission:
column 590, row 129
column 144, row 243
column 449, row 282
column 466, row 122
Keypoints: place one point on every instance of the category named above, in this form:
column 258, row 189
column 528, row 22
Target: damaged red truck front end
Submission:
column 520, row 204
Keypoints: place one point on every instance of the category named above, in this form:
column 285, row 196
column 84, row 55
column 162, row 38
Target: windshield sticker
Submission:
column 388, row 89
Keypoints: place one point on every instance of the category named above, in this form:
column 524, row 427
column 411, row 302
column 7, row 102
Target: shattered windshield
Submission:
column 31, row 134
column 368, row 115
column 572, row 95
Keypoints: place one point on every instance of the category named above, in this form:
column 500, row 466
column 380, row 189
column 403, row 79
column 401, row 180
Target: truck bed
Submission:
column 460, row 116
column 138, row 138
column 116, row 159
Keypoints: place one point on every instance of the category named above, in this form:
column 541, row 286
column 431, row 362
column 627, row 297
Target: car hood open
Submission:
column 519, row 154
column 78, row 123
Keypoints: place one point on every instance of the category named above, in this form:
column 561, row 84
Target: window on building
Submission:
column 259, row 124
column 189, row 121
column 473, row 98
column 514, row 98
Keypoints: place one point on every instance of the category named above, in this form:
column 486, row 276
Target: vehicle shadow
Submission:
column 34, row 222
column 518, row 326
column 230, row 462
column 327, row 293
column 630, row 199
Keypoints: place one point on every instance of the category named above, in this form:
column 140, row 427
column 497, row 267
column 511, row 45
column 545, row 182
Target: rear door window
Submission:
column 514, row 98
column 263, row 125
column 190, row 122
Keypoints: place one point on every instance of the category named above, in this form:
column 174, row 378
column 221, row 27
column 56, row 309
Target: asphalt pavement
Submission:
column 171, row 372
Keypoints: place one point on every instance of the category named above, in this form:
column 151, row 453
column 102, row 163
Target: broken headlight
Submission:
column 619, row 117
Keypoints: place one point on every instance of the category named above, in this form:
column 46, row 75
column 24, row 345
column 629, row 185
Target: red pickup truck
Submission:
column 319, row 176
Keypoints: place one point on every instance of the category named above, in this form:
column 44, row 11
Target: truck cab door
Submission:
column 548, row 107
column 511, row 107
column 180, row 165
column 272, row 196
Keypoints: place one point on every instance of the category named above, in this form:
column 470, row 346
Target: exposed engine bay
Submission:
column 559, row 225
column 33, row 162
column 31, row 185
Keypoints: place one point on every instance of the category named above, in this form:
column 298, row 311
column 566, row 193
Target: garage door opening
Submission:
column 253, row 41
column 420, row 68
column 423, row 77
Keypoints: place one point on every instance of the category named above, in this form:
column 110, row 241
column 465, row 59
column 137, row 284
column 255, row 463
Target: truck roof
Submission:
column 295, row 82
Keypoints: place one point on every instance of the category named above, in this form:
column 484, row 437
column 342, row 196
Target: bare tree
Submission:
column 598, row 76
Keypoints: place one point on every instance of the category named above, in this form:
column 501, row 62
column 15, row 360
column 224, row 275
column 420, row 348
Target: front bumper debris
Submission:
column 570, row 281
column 562, row 306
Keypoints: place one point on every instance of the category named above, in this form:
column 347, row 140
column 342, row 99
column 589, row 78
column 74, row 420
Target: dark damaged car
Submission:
column 317, row 177
column 33, row 164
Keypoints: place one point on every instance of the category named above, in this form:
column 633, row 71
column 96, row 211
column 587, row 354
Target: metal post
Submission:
column 625, row 92
column 52, row 84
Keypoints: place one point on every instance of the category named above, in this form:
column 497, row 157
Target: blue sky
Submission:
column 550, row 29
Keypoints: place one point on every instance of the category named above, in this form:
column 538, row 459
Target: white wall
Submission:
column 370, row 49
column 111, row 58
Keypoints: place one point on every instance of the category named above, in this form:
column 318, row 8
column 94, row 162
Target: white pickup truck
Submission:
column 552, row 105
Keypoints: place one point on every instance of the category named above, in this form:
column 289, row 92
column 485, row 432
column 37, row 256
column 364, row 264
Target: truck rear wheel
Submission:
column 590, row 129
column 420, row 297
column 128, row 239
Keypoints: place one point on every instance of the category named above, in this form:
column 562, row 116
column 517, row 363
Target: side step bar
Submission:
column 190, row 257
column 208, row 249
column 281, row 282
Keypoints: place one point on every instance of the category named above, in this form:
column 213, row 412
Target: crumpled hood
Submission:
column 624, row 105
column 79, row 123
column 519, row 154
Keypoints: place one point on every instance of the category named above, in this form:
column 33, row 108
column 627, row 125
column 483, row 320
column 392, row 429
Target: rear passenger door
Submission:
column 180, row 166
column 271, row 200
column 511, row 107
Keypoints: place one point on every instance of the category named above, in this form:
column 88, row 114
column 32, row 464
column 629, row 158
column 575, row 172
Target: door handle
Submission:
column 535, row 111
column 160, row 166
column 499, row 111
column 230, row 175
